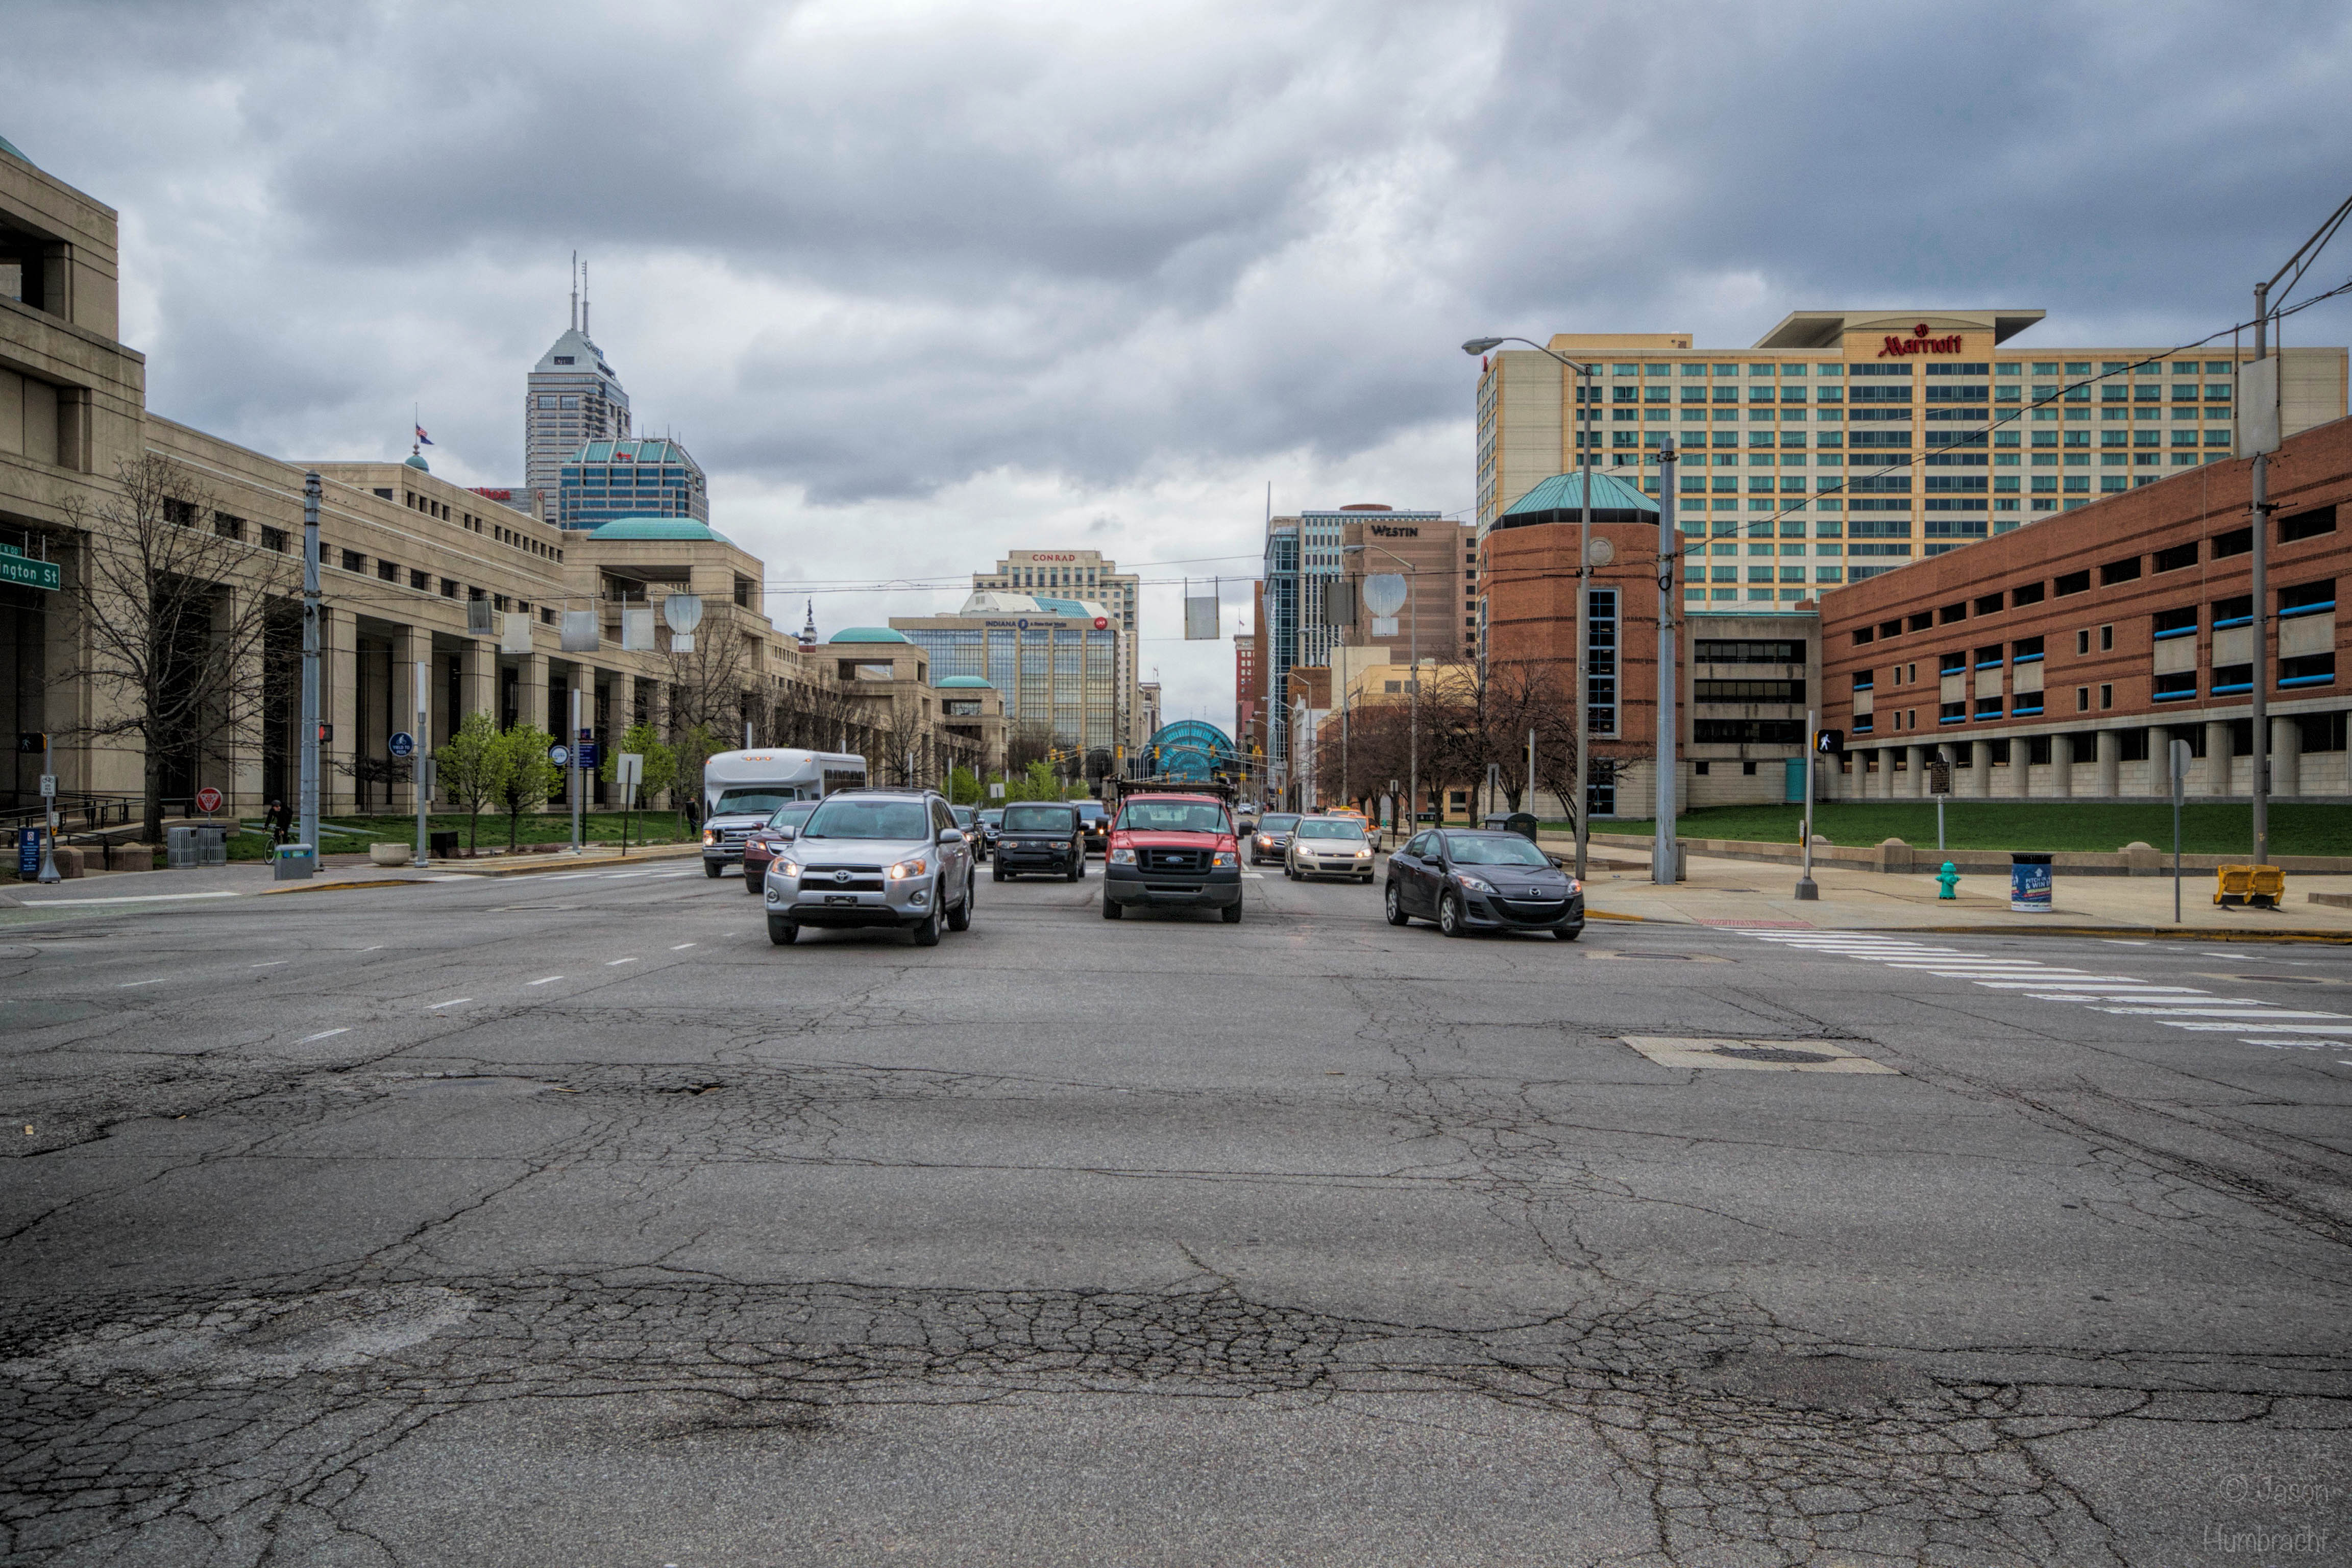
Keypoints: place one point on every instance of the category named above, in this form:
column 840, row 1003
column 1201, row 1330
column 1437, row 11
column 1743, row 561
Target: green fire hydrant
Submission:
column 1948, row 881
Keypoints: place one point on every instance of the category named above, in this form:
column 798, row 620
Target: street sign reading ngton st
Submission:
column 25, row 572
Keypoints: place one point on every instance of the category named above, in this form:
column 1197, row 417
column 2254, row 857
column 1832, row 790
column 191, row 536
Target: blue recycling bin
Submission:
column 2029, row 884
column 296, row 862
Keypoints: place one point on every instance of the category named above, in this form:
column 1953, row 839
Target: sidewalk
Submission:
column 1720, row 892
column 252, row 879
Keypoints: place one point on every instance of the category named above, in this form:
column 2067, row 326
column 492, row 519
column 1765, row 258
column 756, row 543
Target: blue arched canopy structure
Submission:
column 1189, row 750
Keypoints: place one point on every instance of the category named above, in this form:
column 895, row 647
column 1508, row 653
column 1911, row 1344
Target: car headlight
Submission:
column 787, row 870
column 1475, row 884
column 1264, row 842
column 709, row 837
column 1574, row 887
column 1365, row 853
column 1226, row 857
column 906, row 869
column 1122, row 856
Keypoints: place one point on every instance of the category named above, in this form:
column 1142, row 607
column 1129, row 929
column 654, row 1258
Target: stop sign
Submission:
column 208, row 800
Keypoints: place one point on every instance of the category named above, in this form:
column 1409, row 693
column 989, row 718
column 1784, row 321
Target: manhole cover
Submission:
column 1770, row 1054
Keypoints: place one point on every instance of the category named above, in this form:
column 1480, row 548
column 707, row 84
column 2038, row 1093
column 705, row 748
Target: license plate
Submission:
column 841, row 897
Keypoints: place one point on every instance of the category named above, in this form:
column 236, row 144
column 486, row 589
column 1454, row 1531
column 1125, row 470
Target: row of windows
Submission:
column 2155, row 369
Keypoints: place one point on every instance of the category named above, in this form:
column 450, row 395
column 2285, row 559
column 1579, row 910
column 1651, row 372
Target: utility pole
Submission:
column 420, row 769
column 571, row 757
column 1662, row 849
column 311, row 609
column 1807, row 888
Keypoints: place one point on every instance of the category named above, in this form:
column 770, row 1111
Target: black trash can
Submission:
column 445, row 846
column 1519, row 822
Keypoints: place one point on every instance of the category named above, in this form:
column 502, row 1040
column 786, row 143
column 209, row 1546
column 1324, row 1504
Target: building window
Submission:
column 2081, row 699
column 2073, row 583
column 2176, row 687
column 353, row 560
column 273, row 538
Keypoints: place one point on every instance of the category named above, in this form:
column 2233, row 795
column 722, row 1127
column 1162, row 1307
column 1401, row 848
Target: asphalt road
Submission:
column 568, row 1222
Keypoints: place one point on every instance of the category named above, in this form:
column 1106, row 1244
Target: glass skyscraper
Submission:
column 609, row 479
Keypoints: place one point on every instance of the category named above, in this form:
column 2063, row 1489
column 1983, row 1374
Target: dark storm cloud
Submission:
column 874, row 251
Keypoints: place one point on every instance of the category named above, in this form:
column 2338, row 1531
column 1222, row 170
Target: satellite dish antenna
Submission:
column 1384, row 592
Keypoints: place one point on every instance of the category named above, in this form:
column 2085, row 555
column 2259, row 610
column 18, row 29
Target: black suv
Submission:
column 1041, row 836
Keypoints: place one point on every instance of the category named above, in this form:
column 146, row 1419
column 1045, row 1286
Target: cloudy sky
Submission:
column 920, row 282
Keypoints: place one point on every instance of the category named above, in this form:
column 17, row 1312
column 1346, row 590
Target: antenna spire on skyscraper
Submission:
column 575, row 290
column 583, row 300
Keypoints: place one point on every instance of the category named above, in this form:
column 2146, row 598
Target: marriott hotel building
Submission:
column 1847, row 443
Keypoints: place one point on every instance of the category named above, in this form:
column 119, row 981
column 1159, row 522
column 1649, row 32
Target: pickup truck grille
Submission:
column 1175, row 859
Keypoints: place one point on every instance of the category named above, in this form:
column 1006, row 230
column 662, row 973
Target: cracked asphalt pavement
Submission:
column 572, row 1223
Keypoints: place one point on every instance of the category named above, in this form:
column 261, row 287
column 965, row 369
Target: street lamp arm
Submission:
column 1482, row 345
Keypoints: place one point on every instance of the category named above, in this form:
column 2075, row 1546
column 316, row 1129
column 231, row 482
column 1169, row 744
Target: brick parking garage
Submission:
column 2060, row 661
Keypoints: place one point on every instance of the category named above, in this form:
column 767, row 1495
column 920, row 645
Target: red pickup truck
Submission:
column 1173, row 849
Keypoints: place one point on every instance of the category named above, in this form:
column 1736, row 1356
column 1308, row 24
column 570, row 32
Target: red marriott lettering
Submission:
column 1919, row 342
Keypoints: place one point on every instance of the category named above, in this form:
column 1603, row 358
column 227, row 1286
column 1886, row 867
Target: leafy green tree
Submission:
column 1038, row 782
column 661, row 762
column 472, row 765
column 963, row 787
column 696, row 746
column 531, row 779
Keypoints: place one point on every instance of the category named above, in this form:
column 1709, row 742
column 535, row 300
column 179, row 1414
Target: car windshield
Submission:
column 991, row 819
column 1277, row 822
column 1330, row 827
column 1172, row 816
column 844, row 817
column 963, row 816
column 755, row 800
column 1500, row 850
column 792, row 815
column 1039, row 819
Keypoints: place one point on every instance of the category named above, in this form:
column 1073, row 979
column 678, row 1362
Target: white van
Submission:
column 740, row 790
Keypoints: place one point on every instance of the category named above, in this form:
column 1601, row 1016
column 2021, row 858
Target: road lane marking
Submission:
column 453, row 1002
column 682, row 947
column 2118, row 995
column 128, row 899
column 549, row 981
column 323, row 1034
column 609, row 963
column 128, row 984
column 271, row 965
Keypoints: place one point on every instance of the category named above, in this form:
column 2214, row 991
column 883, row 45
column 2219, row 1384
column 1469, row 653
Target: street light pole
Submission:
column 311, row 612
column 1661, row 860
column 1412, row 684
column 1577, row 810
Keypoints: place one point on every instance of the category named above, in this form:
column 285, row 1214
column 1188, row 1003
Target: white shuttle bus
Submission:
column 741, row 789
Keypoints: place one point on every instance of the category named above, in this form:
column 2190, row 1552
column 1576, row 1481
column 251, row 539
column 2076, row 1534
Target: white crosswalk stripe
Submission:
column 2120, row 995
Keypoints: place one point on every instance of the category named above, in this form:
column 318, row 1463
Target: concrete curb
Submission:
column 442, row 871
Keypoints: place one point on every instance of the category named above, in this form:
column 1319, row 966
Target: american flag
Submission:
column 421, row 439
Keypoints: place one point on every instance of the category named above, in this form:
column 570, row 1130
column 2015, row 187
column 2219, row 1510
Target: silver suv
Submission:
column 872, row 858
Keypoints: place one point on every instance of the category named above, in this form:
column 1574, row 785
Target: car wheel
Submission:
column 752, row 883
column 996, row 871
column 960, row 918
column 1395, row 901
column 713, row 870
column 1112, row 910
column 928, row 934
column 1233, row 914
column 1078, row 869
column 1450, row 917
column 1565, row 935
column 781, row 931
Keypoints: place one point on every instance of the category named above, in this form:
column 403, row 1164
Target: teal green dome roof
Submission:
column 964, row 683
column 867, row 634
column 12, row 150
column 683, row 527
column 1560, row 498
column 416, row 460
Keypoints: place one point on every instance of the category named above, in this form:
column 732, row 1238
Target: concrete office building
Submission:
column 2061, row 660
column 571, row 396
column 412, row 565
column 1085, row 576
column 1439, row 562
column 1845, row 443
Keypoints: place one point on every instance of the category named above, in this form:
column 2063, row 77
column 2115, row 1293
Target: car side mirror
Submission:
column 1556, row 863
column 950, row 836
column 785, row 832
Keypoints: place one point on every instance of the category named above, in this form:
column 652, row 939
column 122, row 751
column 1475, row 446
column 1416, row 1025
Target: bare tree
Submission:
column 1027, row 740
column 174, row 607
column 819, row 715
column 706, row 697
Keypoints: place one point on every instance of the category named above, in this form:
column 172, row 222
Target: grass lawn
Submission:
column 541, row 828
column 2024, row 824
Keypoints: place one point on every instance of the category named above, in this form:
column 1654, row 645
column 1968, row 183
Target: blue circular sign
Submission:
column 403, row 744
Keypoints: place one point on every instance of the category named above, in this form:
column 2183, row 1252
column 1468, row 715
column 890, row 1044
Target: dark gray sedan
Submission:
column 1470, row 879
